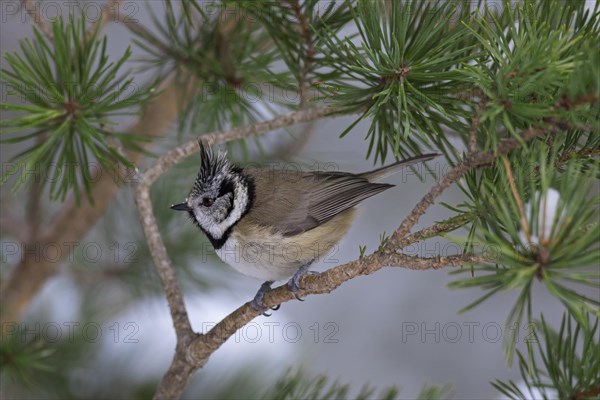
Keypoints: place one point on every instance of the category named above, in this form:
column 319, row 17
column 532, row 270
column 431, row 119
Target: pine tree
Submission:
column 507, row 93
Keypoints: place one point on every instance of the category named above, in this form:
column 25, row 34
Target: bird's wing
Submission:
column 292, row 204
column 330, row 194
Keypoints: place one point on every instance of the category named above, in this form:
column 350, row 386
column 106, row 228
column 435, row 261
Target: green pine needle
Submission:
column 403, row 73
column 569, row 368
column 70, row 90
column 297, row 385
column 557, row 246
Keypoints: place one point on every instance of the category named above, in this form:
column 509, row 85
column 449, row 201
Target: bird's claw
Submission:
column 294, row 287
column 294, row 282
column 257, row 302
column 262, row 309
column 258, row 306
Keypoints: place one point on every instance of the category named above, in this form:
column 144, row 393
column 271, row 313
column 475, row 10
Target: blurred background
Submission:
column 104, row 317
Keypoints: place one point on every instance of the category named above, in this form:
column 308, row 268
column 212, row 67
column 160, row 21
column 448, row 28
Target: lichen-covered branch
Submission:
column 163, row 263
column 325, row 282
column 190, row 358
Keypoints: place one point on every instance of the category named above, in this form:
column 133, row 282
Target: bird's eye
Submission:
column 207, row 201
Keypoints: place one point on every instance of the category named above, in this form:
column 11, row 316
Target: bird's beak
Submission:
column 181, row 207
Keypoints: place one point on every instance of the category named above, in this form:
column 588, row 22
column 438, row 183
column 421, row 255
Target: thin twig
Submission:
column 515, row 193
column 434, row 230
column 469, row 94
column 472, row 161
column 181, row 322
column 179, row 153
column 309, row 54
column 34, row 12
column 475, row 124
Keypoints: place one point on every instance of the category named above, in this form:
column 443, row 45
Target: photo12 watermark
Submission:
column 70, row 332
column 93, row 172
column 90, row 252
column 465, row 332
column 52, row 10
column 287, row 332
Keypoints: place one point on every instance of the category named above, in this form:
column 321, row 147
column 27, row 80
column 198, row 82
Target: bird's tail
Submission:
column 384, row 172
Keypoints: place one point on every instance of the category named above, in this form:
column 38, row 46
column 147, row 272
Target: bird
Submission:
column 272, row 224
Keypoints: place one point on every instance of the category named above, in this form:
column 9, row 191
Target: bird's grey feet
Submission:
column 257, row 302
column 294, row 282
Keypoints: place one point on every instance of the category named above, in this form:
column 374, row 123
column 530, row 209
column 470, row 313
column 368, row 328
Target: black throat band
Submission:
column 250, row 186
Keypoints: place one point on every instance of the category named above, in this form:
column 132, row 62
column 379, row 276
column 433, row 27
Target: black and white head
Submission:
column 220, row 197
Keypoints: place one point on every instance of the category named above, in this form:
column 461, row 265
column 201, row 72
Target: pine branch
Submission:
column 193, row 350
column 179, row 153
column 472, row 161
column 586, row 394
column 434, row 230
column 159, row 253
column 201, row 347
column 297, row 385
